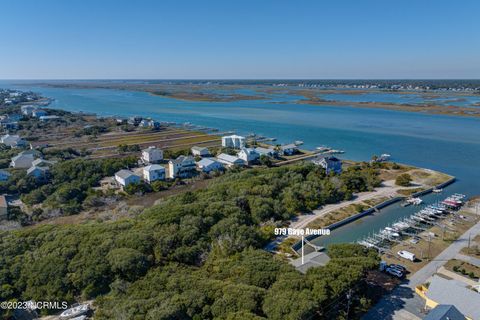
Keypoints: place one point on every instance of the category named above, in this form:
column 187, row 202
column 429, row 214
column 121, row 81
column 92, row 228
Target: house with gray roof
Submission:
column 126, row 177
column 13, row 141
column 453, row 292
column 181, row 167
column 153, row 172
column 329, row 163
column 209, row 164
column 229, row 160
column 200, row 151
column 445, row 312
column 289, row 149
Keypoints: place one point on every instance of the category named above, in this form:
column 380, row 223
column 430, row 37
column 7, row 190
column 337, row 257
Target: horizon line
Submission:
column 230, row 79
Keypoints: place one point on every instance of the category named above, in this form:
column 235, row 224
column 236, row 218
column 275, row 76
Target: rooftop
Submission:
column 444, row 312
column 196, row 148
column 154, row 167
column 227, row 157
column 124, row 174
column 455, row 293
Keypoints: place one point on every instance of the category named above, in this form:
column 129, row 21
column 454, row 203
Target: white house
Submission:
column 181, row 167
column 12, row 140
column 22, row 161
column 144, row 123
column 28, row 109
column 329, row 163
column 209, row 164
column 233, row 141
column 126, row 177
column 152, row 155
column 248, row 155
column 229, row 160
column 200, row 151
column 38, row 172
column 269, row 152
column 4, row 175
column 154, row 172
column 289, row 149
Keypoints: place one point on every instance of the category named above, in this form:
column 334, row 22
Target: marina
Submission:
column 431, row 215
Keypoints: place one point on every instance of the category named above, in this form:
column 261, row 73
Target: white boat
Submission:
column 75, row 312
column 414, row 201
column 437, row 190
column 385, row 157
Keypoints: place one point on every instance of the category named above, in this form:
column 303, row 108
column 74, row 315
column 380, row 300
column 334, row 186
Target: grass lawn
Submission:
column 463, row 268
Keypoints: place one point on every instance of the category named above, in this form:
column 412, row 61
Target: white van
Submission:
column 407, row 255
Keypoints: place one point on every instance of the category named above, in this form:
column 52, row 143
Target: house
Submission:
column 444, row 312
column 451, row 292
column 4, row 175
column 289, row 149
column 229, row 160
column 33, row 152
column 40, row 173
column 269, row 152
column 9, row 125
column 152, row 155
column 48, row 118
column 28, row 109
column 37, row 113
column 126, row 177
column 200, row 151
column 153, row 172
column 181, row 167
column 329, row 163
column 144, row 123
column 153, row 124
column 3, row 208
column 134, row 120
column 233, row 141
column 22, row 161
column 12, row 141
column 248, row 155
column 209, row 164
column 42, row 163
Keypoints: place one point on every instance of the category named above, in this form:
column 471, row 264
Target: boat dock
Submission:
column 411, row 227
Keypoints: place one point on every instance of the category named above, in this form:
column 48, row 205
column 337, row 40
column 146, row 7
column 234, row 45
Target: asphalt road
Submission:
column 403, row 303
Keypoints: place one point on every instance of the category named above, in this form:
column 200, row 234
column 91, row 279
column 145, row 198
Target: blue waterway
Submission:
column 446, row 143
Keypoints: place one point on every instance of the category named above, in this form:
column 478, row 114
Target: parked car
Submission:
column 399, row 267
column 395, row 272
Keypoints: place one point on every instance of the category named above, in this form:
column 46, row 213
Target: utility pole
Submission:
column 468, row 248
column 429, row 245
column 302, row 249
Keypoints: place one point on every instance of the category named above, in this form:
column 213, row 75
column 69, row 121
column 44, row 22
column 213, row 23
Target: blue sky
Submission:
column 85, row 39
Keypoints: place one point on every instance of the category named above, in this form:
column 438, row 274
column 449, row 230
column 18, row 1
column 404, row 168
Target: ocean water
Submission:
column 446, row 143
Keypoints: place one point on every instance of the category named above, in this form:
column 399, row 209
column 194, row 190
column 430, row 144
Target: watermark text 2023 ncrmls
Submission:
column 33, row 305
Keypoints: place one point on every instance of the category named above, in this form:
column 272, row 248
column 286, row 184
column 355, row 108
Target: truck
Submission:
column 407, row 255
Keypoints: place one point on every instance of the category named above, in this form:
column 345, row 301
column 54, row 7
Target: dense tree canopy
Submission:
column 195, row 256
